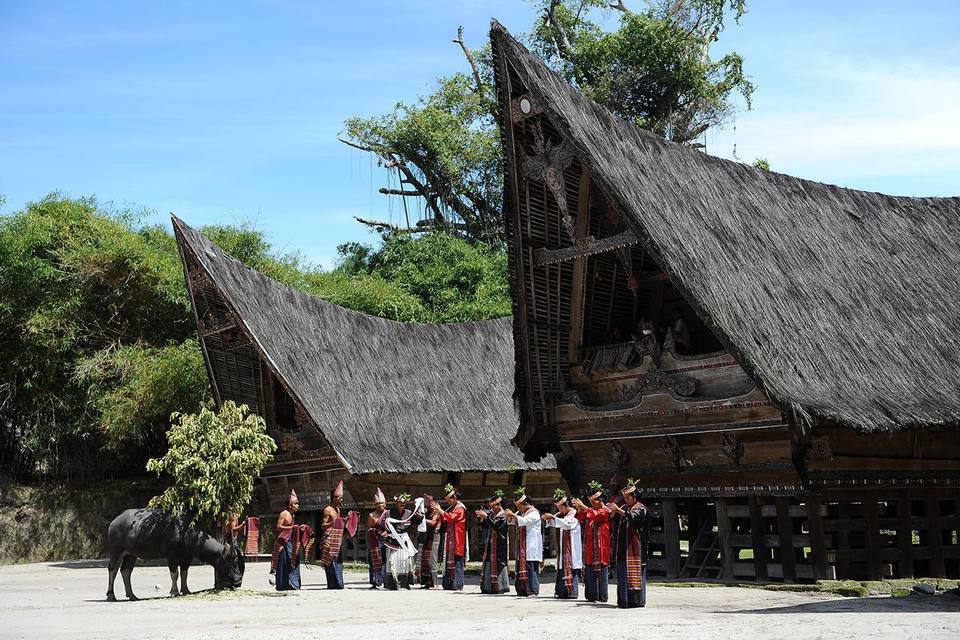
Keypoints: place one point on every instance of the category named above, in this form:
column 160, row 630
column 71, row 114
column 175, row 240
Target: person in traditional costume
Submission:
column 632, row 526
column 494, row 576
column 400, row 549
column 429, row 544
column 596, row 551
column 455, row 544
column 375, row 540
column 570, row 547
column 283, row 563
column 332, row 526
column 529, row 545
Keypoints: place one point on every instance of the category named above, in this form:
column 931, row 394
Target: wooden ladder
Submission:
column 704, row 554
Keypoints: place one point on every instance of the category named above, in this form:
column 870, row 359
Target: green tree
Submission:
column 445, row 149
column 456, row 280
column 761, row 163
column 212, row 460
column 654, row 68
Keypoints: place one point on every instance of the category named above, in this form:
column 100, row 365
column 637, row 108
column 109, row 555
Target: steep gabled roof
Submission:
column 844, row 305
column 388, row 396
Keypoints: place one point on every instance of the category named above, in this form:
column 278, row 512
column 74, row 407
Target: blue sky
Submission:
column 229, row 112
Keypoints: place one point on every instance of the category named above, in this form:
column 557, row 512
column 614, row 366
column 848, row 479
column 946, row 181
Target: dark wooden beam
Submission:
column 757, row 531
column 578, row 285
column 818, row 551
column 905, row 535
column 935, row 535
column 843, row 543
column 671, row 538
column 726, row 550
column 788, row 557
column 871, row 516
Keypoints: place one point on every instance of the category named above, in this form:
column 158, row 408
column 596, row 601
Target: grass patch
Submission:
column 234, row 594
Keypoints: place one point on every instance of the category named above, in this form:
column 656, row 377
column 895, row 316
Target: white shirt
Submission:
column 531, row 520
column 570, row 523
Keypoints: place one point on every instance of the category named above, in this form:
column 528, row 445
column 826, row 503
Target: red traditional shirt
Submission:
column 597, row 524
column 456, row 520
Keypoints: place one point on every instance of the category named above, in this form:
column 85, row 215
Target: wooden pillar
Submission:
column 871, row 517
column 671, row 538
column 935, row 535
column 843, row 541
column 818, row 547
column 788, row 557
column 905, row 535
column 758, row 540
column 726, row 551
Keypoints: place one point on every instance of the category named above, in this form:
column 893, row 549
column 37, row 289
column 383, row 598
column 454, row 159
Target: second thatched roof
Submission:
column 388, row 396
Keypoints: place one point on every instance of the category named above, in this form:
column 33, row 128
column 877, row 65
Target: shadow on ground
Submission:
column 880, row 604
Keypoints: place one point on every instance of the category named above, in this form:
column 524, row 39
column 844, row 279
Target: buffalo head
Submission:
column 229, row 568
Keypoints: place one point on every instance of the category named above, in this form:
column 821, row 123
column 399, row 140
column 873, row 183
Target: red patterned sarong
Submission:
column 634, row 549
column 373, row 546
column 567, row 554
column 520, row 566
column 331, row 543
column 278, row 544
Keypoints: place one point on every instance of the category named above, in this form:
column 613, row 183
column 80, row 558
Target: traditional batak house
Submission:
column 776, row 360
column 406, row 407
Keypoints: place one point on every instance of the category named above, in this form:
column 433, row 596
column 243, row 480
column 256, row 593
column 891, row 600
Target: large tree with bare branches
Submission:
column 654, row 68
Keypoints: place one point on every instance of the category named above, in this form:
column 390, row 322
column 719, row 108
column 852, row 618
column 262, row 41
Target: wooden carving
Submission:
column 673, row 452
column 547, row 163
column 731, row 447
column 618, row 454
column 820, row 448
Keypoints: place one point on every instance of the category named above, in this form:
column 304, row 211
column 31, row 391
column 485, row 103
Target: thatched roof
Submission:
column 388, row 396
column 844, row 305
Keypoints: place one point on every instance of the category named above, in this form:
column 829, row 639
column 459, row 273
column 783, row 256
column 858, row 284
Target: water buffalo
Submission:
column 151, row 533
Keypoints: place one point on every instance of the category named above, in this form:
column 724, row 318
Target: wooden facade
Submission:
column 261, row 361
column 623, row 371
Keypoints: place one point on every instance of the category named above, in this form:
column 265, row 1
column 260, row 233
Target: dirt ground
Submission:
column 66, row 600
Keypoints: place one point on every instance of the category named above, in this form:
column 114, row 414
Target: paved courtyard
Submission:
column 66, row 600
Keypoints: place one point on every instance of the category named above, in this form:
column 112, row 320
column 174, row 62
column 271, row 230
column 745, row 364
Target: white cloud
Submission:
column 864, row 119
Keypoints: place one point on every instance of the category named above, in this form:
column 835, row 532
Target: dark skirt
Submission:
column 503, row 577
column 288, row 577
column 560, row 589
column 596, row 583
column 376, row 578
column 532, row 586
column 453, row 581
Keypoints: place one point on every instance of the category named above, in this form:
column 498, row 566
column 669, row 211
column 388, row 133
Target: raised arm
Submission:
column 528, row 519
column 568, row 522
column 457, row 514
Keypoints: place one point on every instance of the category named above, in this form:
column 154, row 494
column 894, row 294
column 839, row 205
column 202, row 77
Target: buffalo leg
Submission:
column 112, row 567
column 183, row 579
column 173, row 580
column 126, row 568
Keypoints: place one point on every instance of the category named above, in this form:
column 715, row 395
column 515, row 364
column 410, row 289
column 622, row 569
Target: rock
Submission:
column 926, row 589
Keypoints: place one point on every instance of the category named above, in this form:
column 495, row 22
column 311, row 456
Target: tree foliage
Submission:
column 211, row 461
column 654, row 68
column 454, row 280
